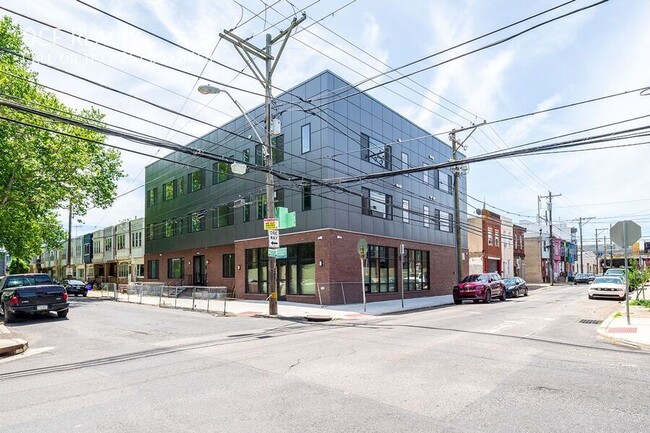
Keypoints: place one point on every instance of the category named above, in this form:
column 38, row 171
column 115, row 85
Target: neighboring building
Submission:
column 519, row 251
column 196, row 235
column 537, row 243
column 507, row 248
column 485, row 242
column 129, row 250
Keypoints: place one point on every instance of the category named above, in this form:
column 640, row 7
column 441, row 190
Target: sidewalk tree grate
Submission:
column 591, row 321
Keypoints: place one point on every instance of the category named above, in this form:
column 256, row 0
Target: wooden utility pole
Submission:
column 551, row 257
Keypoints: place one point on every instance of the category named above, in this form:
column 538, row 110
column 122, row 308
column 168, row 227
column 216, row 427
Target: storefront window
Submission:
column 415, row 270
column 381, row 269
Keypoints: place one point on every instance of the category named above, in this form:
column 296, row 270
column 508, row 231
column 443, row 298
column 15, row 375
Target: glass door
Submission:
column 198, row 274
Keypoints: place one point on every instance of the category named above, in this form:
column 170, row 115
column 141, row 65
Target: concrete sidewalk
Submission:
column 616, row 330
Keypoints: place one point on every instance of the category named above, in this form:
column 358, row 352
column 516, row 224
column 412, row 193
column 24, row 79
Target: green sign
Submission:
column 278, row 253
column 286, row 219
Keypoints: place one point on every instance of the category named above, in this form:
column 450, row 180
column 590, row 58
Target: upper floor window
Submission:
column 405, row 210
column 197, row 221
column 120, row 240
column 376, row 204
column 180, row 186
column 108, row 244
column 195, row 180
column 306, row 196
column 151, row 233
column 496, row 238
column 169, row 190
column 376, row 152
column 305, row 138
column 223, row 216
column 152, row 197
column 246, row 156
column 425, row 212
column 277, row 150
column 490, row 236
column 220, row 172
column 425, row 176
column 405, row 160
column 261, row 206
column 136, row 239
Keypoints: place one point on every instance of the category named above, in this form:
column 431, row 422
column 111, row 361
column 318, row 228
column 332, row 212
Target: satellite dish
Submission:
column 478, row 211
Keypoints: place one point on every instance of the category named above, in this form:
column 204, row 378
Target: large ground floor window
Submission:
column 381, row 269
column 415, row 270
column 296, row 273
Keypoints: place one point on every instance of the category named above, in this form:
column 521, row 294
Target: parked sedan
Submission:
column 607, row 287
column 515, row 286
column 583, row 278
column 480, row 287
column 75, row 287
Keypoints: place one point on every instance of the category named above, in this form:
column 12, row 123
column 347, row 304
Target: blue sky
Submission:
column 596, row 52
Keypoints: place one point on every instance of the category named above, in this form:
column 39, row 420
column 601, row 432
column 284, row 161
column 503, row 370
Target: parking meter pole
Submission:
column 363, row 283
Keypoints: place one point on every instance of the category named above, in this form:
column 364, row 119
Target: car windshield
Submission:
column 474, row 277
column 75, row 282
column 510, row 281
column 608, row 280
column 615, row 272
column 581, row 275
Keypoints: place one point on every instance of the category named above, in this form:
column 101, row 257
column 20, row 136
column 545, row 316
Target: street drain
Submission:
column 591, row 321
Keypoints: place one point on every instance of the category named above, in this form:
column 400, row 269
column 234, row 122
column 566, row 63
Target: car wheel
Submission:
column 62, row 313
column 503, row 296
column 488, row 297
column 515, row 294
column 590, row 297
column 9, row 316
column 85, row 294
column 458, row 301
column 526, row 291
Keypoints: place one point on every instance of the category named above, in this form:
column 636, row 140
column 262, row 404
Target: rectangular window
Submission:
column 77, row 251
column 168, row 229
column 415, row 270
column 153, row 270
column 375, row 152
column 376, row 204
column 86, row 249
column 136, row 239
column 197, row 221
column 259, row 155
column 108, row 244
column 180, row 186
column 123, row 270
column 152, row 197
column 278, row 197
column 381, row 269
column 220, row 172
column 306, row 196
column 436, row 219
column 425, row 176
column 405, row 210
column 228, row 265
column 223, row 215
column 425, row 212
column 450, row 184
column 298, row 274
column 436, row 179
column 195, row 180
column 261, row 206
column 305, row 138
column 405, row 160
column 247, row 212
column 490, row 238
column 169, row 191
column 121, row 241
column 277, row 148
column 246, row 156
column 446, row 220
column 175, row 268
column 496, row 238
column 151, row 231
column 139, row 271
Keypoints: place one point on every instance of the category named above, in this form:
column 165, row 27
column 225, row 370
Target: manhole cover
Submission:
column 591, row 321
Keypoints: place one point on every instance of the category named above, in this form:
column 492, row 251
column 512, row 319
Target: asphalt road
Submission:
column 524, row 365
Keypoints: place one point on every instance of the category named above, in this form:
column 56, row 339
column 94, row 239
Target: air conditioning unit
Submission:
column 239, row 202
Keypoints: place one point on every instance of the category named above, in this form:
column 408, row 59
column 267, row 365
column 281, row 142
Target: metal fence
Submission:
column 200, row 298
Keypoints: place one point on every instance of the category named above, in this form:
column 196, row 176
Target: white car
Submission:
column 607, row 287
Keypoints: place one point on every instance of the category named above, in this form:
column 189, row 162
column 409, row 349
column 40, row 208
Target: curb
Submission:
column 609, row 338
column 13, row 346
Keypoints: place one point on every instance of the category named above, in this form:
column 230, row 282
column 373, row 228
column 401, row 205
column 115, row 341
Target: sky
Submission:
column 591, row 54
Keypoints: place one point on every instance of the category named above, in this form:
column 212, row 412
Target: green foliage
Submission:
column 641, row 302
column 42, row 170
column 638, row 277
column 17, row 266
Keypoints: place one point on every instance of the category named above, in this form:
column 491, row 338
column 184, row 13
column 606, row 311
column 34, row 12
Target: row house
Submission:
column 496, row 245
column 539, row 265
column 205, row 224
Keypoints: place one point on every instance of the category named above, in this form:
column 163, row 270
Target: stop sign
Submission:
column 625, row 233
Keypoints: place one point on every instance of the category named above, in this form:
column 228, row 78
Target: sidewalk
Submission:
column 615, row 329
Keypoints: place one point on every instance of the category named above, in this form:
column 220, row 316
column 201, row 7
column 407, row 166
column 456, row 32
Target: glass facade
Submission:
column 296, row 273
column 381, row 269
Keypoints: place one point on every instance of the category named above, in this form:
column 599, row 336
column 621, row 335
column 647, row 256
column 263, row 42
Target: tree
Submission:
column 17, row 266
column 45, row 165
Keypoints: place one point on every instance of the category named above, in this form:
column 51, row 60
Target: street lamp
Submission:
column 208, row 89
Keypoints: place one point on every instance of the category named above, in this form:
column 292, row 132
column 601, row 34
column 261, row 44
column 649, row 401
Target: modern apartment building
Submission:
column 204, row 224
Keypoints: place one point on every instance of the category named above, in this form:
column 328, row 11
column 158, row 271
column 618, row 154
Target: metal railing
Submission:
column 196, row 298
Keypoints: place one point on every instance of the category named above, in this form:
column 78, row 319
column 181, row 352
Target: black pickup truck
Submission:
column 31, row 294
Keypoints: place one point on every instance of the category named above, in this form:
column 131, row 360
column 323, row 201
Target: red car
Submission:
column 480, row 287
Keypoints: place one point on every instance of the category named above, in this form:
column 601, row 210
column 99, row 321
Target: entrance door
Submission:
column 198, row 274
column 283, row 280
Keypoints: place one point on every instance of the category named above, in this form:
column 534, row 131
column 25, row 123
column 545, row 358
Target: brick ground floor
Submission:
column 322, row 266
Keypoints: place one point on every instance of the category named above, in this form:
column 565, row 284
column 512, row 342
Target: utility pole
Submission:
column 604, row 251
column 580, row 224
column 246, row 50
column 550, row 235
column 455, row 144
column 68, row 261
